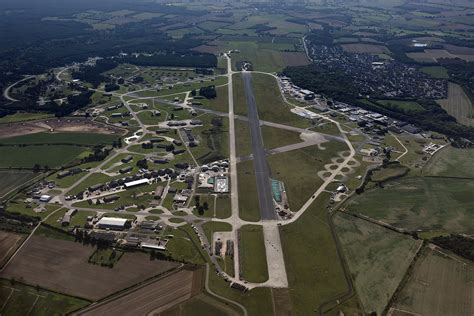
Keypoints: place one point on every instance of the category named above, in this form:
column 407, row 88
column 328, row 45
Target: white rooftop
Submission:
column 136, row 182
column 112, row 221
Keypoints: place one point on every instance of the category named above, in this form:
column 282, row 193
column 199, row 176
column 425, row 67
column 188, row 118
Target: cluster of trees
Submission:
column 460, row 245
column 200, row 207
column 208, row 92
column 93, row 74
column 99, row 153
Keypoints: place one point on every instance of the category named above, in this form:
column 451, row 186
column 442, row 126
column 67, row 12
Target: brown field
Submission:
column 439, row 285
column 365, row 48
column 295, row 58
column 458, row 105
column 61, row 266
column 58, row 125
column 8, row 243
column 153, row 297
column 430, row 55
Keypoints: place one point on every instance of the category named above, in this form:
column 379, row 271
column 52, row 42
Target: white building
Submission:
column 112, row 223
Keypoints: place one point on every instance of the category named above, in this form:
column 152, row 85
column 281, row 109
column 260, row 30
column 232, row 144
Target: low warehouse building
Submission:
column 112, row 223
column 159, row 192
column 135, row 183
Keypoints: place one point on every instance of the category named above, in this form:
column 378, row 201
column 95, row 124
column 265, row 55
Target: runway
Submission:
column 262, row 171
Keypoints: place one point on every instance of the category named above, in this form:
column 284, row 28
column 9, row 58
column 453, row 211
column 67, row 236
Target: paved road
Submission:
column 262, row 172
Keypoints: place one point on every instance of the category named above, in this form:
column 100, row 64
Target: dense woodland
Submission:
column 460, row 245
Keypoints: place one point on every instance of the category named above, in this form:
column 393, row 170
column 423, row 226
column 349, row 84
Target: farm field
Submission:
column 201, row 305
column 61, row 265
column 432, row 55
column 62, row 138
column 438, row 72
column 377, row 258
column 420, row 203
column 154, row 297
column 458, row 105
column 8, row 243
column 451, row 162
column 19, row 299
column 311, row 258
column 13, row 179
column 439, row 285
column 26, row 157
column 365, row 48
column 252, row 254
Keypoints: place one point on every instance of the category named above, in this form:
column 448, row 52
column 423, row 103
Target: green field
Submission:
column 18, row 117
column 436, row 72
column 249, row 208
column 311, row 259
column 26, row 157
column 243, row 146
column 390, row 172
column 181, row 247
column 403, row 105
column 420, row 203
column 438, row 285
column 378, row 259
column 451, row 162
column 211, row 227
column 19, row 299
column 275, row 137
column 62, row 138
column 300, row 176
column 270, row 104
column 14, row 179
column 253, row 260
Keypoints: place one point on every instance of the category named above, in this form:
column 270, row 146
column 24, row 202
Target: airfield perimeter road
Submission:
column 262, row 172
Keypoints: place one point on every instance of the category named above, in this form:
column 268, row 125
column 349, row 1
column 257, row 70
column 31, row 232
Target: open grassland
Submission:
column 13, row 179
column 249, row 207
column 451, row 162
column 61, row 266
column 182, row 246
column 439, row 285
column 392, row 171
column 270, row 104
column 268, row 59
column 211, row 227
column 275, row 137
column 311, row 259
column 62, row 138
column 458, row 105
column 243, row 139
column 253, row 260
column 420, row 203
column 19, row 117
column 8, row 243
column 240, row 103
column 220, row 103
column 301, row 175
column 19, row 299
column 378, row 259
column 405, row 106
column 26, row 157
column 438, row 72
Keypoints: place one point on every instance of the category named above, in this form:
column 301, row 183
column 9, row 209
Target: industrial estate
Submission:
column 237, row 158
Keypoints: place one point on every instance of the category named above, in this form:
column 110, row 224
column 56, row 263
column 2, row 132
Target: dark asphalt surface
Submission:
column 262, row 172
